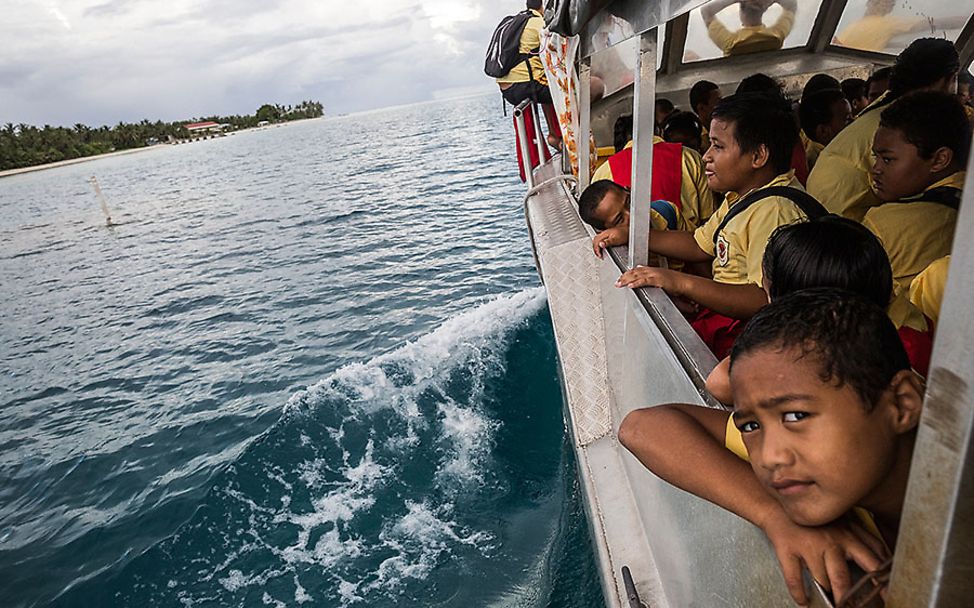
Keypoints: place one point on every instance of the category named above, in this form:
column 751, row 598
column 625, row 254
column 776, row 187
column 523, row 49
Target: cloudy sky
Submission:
column 105, row 61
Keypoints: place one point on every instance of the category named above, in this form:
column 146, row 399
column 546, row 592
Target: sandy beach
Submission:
column 74, row 161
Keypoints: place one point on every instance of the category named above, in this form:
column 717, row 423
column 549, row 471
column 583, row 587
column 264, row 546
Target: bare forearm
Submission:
column 735, row 301
column 677, row 244
column 710, row 10
column 678, row 449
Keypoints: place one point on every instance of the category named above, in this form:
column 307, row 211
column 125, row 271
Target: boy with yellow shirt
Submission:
column 826, row 411
column 840, row 179
column 754, row 35
column 752, row 138
column 921, row 149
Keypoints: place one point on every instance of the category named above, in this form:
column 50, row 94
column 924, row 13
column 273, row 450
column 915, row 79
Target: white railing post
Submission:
column 644, row 122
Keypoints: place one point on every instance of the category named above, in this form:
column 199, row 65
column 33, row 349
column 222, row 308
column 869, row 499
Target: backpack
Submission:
column 504, row 50
column 805, row 201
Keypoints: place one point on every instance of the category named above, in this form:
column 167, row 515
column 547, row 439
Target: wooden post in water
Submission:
column 101, row 200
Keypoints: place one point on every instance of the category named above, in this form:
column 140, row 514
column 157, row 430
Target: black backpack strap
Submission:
column 947, row 196
column 805, row 201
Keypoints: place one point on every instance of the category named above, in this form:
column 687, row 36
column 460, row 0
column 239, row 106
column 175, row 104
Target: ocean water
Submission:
column 307, row 365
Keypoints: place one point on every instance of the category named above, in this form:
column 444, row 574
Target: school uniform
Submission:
column 740, row 246
column 927, row 288
column 739, row 251
column 751, row 39
column 915, row 232
column 840, row 179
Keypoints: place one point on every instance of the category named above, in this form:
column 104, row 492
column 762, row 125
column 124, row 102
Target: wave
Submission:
column 373, row 479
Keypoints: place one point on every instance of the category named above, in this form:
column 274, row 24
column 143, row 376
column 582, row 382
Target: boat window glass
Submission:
column 729, row 35
column 888, row 26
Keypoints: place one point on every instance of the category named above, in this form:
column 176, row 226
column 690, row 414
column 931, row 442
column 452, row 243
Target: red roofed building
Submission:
column 203, row 127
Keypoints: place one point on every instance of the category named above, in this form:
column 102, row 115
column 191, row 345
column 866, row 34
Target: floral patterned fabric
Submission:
column 558, row 56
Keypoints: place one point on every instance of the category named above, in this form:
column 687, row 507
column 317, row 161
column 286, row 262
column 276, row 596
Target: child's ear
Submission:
column 906, row 391
column 760, row 157
column 942, row 159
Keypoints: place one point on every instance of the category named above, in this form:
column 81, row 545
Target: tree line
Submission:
column 25, row 145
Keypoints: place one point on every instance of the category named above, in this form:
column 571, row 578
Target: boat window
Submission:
column 748, row 26
column 888, row 26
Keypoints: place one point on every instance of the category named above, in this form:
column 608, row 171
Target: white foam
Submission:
column 460, row 339
column 470, row 434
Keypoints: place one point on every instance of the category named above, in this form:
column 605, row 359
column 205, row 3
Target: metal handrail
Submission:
column 522, row 141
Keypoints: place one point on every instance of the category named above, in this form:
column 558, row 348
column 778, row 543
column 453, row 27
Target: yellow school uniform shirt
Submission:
column 874, row 32
column 812, row 149
column 751, row 39
column 704, row 138
column 903, row 313
column 530, row 40
column 696, row 198
column 745, row 237
column 840, row 179
column 927, row 289
column 915, row 234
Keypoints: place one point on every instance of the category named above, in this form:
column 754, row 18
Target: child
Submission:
column 752, row 139
column 835, row 252
column 754, row 35
column 855, row 92
column 683, row 128
column 826, row 410
column 683, row 201
column 921, row 149
column 704, row 97
column 822, row 115
column 840, row 179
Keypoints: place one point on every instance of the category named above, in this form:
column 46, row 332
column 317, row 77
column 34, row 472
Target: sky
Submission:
column 105, row 61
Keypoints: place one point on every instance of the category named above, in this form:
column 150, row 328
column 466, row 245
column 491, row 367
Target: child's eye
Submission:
column 794, row 416
column 748, row 427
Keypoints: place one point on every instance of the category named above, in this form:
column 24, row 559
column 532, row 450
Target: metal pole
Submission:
column 522, row 143
column 934, row 561
column 537, row 113
column 584, row 123
column 644, row 121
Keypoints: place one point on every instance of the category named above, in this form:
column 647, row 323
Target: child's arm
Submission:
column 683, row 444
column 676, row 244
column 718, row 382
column 735, row 301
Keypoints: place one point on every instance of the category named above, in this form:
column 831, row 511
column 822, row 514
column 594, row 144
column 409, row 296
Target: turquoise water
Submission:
column 309, row 365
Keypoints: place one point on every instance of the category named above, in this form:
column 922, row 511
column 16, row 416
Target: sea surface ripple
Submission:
column 309, row 364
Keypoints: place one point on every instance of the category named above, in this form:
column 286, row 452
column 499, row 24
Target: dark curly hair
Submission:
column 852, row 339
column 931, row 120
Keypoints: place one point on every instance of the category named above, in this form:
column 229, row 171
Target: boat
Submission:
column 622, row 349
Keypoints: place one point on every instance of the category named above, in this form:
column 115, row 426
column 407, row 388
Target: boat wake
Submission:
column 374, row 478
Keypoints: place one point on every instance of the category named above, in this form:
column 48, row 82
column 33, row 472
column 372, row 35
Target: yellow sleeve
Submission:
column 734, row 441
column 841, row 186
column 721, row 36
column 696, row 199
column 927, row 289
column 603, row 172
column 766, row 217
column 782, row 27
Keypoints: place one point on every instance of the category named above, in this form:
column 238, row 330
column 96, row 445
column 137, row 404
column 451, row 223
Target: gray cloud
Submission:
column 102, row 62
